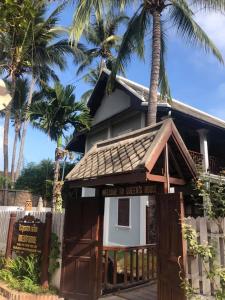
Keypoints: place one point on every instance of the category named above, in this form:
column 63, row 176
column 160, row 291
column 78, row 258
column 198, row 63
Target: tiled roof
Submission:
column 119, row 155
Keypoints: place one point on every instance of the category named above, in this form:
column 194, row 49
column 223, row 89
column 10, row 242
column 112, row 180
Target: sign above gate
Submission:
column 28, row 235
column 131, row 190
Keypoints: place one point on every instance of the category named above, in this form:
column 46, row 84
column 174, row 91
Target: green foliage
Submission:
column 3, row 180
column 22, row 273
column 35, row 177
column 213, row 193
column 207, row 254
column 38, row 178
column 56, row 111
column 54, row 254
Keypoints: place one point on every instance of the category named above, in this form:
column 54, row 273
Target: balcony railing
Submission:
column 216, row 165
column 124, row 267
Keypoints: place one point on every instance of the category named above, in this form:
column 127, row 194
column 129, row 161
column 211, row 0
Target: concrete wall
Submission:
column 111, row 105
column 126, row 125
column 133, row 235
column 95, row 137
column 18, row 198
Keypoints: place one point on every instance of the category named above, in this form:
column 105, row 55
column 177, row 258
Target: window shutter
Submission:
column 124, row 212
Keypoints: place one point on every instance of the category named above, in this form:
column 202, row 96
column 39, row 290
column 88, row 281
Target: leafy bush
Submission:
column 54, row 254
column 22, row 273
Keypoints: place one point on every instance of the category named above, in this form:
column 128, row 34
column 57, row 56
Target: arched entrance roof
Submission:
column 156, row 153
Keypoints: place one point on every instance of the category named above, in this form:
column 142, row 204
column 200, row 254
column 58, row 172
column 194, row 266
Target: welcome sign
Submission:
column 28, row 235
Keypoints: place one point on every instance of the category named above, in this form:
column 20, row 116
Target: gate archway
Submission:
column 153, row 158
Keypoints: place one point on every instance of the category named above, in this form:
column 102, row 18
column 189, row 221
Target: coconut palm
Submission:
column 15, row 23
column 47, row 50
column 56, row 113
column 17, row 116
column 91, row 78
column 104, row 40
column 149, row 17
column 84, row 10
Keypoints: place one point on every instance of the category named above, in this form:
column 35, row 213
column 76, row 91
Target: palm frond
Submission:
column 182, row 18
column 209, row 5
column 133, row 41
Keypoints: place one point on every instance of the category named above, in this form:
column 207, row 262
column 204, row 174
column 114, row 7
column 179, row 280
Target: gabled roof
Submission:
column 141, row 92
column 133, row 153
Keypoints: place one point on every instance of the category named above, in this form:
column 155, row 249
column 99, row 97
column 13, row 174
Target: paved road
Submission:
column 147, row 292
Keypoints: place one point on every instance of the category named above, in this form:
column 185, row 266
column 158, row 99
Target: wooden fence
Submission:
column 208, row 232
column 57, row 228
column 124, row 267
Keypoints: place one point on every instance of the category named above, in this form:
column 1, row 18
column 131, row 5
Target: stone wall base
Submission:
column 6, row 292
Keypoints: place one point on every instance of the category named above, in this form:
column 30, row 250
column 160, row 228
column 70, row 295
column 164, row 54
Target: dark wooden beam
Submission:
column 163, row 179
column 166, row 170
column 158, row 145
column 134, row 177
column 183, row 150
column 177, row 167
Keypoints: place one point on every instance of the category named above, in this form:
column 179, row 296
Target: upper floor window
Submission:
column 124, row 212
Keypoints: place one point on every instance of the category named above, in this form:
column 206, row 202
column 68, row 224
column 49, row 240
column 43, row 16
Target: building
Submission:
column 130, row 220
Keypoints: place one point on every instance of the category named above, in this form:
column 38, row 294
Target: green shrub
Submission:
column 54, row 254
column 22, row 273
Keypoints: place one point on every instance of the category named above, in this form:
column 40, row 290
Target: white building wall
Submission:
column 111, row 104
column 133, row 235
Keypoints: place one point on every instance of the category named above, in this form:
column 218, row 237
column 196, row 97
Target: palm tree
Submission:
column 102, row 36
column 46, row 51
column 15, row 21
column 55, row 113
column 91, row 78
column 17, row 116
column 150, row 16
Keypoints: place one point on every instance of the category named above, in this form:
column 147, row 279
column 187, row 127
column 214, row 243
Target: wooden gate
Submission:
column 171, row 252
column 82, row 241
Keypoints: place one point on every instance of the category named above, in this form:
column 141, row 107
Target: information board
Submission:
column 28, row 235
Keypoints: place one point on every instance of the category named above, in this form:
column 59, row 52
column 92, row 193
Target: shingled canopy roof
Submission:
column 132, row 157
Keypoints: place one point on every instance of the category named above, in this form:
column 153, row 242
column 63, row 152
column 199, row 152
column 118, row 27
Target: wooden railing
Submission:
column 124, row 267
column 215, row 164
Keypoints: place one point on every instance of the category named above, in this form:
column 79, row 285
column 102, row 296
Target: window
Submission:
column 124, row 212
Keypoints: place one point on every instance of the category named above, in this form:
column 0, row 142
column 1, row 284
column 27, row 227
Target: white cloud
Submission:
column 213, row 24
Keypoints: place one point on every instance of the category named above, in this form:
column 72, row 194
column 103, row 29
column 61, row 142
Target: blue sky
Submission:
column 195, row 77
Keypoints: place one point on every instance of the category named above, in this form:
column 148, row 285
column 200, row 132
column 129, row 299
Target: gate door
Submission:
column 170, row 213
column 80, row 249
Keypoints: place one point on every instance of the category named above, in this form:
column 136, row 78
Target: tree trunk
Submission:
column 56, row 179
column 6, row 142
column 56, row 184
column 24, row 132
column 16, row 135
column 155, row 68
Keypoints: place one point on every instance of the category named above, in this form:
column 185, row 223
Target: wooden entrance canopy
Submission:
column 153, row 154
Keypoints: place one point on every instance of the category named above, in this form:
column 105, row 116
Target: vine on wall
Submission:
column 213, row 193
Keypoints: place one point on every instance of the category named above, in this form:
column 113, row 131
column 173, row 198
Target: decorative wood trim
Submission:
column 134, row 177
column 157, row 145
column 162, row 179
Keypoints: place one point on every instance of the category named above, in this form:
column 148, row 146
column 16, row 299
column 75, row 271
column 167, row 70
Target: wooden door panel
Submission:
column 171, row 250
column 80, row 247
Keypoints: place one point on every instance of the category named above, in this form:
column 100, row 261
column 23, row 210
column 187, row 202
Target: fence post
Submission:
column 12, row 221
column 46, row 249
